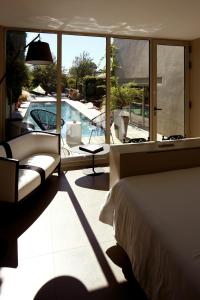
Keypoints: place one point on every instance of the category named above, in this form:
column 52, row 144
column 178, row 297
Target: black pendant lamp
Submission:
column 39, row 54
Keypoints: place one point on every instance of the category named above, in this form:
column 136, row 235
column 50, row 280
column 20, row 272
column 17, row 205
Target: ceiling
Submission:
column 171, row 19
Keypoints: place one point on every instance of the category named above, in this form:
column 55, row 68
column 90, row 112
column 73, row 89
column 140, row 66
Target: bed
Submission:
column 154, row 207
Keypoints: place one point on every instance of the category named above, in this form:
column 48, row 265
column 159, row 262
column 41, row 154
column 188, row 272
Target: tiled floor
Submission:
column 62, row 246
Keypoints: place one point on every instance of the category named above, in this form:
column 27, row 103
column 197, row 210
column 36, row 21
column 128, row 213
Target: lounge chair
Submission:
column 137, row 140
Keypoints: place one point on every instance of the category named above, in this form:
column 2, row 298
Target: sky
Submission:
column 73, row 45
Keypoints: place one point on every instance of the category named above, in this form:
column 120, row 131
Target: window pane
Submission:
column 83, row 90
column 130, row 89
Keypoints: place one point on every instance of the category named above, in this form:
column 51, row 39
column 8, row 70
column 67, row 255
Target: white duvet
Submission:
column 156, row 218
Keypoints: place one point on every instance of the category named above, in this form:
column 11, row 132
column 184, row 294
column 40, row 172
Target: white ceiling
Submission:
column 176, row 19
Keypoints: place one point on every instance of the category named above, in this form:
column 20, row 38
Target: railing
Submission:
column 139, row 114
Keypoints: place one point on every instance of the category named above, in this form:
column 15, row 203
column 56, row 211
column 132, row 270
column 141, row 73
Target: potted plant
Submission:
column 121, row 97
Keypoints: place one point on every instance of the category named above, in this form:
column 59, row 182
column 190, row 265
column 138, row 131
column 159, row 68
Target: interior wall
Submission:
column 195, row 89
column 2, row 91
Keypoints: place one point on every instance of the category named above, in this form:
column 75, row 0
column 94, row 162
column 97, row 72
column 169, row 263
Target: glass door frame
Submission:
column 153, row 83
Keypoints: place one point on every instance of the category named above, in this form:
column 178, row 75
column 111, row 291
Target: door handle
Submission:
column 156, row 108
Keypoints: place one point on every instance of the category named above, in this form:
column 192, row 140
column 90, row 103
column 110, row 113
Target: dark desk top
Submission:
column 95, row 147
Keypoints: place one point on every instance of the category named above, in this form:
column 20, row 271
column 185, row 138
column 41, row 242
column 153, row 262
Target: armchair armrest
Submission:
column 8, row 179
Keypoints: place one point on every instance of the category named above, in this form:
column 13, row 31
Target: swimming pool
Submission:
column 68, row 113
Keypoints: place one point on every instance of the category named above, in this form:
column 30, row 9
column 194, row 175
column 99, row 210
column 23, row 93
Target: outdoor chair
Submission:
column 99, row 124
column 174, row 137
column 46, row 120
column 137, row 140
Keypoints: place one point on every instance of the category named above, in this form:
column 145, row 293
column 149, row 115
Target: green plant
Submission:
column 94, row 87
column 82, row 66
column 124, row 95
column 89, row 83
column 71, row 82
column 100, row 90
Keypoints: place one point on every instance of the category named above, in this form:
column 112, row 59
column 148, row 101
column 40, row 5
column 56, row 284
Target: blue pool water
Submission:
column 68, row 113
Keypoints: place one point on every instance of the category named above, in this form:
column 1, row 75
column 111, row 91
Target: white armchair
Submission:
column 25, row 162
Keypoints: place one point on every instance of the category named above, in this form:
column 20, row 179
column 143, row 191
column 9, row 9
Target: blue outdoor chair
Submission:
column 46, row 120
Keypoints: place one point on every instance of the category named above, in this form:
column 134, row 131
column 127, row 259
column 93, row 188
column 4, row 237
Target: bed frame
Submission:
column 150, row 157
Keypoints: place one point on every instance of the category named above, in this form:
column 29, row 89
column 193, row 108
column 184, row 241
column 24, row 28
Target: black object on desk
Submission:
column 93, row 149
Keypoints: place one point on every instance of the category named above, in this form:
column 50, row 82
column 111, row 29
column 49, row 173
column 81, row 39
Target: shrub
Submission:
column 124, row 95
column 100, row 90
column 71, row 82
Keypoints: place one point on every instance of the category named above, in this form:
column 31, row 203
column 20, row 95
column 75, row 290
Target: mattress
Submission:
column 156, row 219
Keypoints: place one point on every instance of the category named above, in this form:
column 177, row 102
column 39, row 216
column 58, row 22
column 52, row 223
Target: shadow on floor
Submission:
column 66, row 287
column 17, row 218
column 115, row 290
column 99, row 182
column 31, row 208
column 121, row 259
column 65, row 186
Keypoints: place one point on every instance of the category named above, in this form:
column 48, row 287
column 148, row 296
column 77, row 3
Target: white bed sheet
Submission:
column 156, row 218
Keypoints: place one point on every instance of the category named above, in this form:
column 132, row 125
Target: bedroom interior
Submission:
column 72, row 238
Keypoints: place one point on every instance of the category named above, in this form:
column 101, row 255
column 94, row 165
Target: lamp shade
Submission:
column 39, row 54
